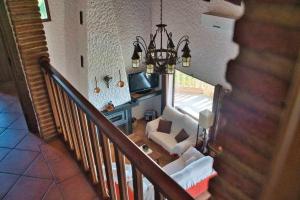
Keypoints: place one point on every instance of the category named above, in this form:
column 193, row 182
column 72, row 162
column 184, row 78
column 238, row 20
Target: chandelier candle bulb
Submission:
column 135, row 58
column 140, row 51
column 186, row 57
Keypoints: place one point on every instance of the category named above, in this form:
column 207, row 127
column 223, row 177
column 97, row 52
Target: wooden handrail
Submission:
column 140, row 162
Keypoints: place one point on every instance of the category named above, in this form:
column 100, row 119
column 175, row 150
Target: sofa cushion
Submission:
column 175, row 116
column 164, row 126
column 165, row 140
column 189, row 125
column 181, row 136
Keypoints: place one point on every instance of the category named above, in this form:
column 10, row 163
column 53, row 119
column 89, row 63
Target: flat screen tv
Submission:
column 142, row 83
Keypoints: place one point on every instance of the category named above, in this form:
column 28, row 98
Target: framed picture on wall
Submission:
column 44, row 10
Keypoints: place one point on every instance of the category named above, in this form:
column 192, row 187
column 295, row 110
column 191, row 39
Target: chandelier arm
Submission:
column 154, row 37
column 143, row 47
column 161, row 10
column 184, row 38
column 167, row 33
column 138, row 42
column 144, row 42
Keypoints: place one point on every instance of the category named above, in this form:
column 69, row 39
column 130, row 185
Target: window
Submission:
column 191, row 95
column 44, row 10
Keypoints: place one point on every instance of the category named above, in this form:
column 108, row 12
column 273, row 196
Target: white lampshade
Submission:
column 206, row 119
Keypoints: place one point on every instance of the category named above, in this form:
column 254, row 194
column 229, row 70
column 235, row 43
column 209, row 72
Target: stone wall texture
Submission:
column 104, row 54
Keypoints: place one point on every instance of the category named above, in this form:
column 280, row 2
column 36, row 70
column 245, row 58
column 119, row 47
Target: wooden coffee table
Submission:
column 140, row 141
column 154, row 155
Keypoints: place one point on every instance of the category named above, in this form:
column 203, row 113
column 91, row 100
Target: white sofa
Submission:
column 190, row 168
column 179, row 121
column 189, row 171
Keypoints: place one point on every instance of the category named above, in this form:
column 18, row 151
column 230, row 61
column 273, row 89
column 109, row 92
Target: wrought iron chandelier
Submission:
column 159, row 59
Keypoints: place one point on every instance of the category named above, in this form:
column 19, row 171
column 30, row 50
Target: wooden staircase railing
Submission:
column 93, row 138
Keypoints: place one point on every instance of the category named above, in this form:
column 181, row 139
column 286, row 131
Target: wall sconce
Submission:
column 107, row 80
column 97, row 89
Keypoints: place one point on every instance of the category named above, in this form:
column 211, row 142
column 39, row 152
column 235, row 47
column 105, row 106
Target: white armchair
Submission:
column 179, row 122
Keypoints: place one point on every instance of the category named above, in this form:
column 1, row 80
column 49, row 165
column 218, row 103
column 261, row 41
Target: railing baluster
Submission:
column 107, row 161
column 68, row 120
column 87, row 139
column 61, row 100
column 120, row 162
column 99, row 163
column 80, row 137
column 52, row 100
column 59, row 109
column 157, row 194
column 72, row 126
column 137, row 184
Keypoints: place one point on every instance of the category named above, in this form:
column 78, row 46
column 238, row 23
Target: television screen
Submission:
column 139, row 82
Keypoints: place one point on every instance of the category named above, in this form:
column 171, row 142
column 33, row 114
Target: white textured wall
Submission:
column 75, row 41
column 104, row 54
column 210, row 49
column 67, row 41
column 153, row 103
column 55, row 35
column 133, row 18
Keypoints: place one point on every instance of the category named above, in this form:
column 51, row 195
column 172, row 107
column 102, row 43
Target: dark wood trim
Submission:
column 217, row 103
column 285, row 168
column 137, row 184
column 6, row 74
column 120, row 163
column 17, row 71
column 166, row 185
column 164, row 88
column 173, row 90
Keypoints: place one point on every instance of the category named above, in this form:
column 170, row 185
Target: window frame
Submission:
column 219, row 93
column 48, row 19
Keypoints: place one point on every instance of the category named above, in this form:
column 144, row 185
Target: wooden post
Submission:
column 17, row 72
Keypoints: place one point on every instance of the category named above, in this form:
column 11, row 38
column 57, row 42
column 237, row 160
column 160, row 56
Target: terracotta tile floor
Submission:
column 31, row 169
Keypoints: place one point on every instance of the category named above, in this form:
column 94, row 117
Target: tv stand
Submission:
column 137, row 97
column 144, row 91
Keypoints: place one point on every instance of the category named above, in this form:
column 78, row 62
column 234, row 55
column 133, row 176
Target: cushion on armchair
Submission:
column 164, row 126
column 181, row 136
